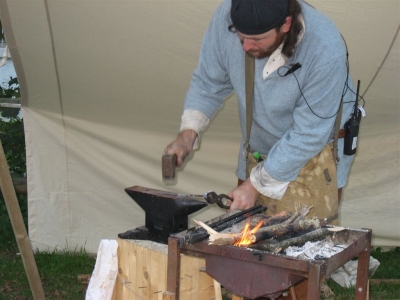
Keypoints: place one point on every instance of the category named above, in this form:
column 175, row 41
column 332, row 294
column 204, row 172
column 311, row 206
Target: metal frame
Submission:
column 240, row 270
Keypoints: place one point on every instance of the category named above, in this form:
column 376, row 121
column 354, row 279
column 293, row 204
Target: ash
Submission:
column 316, row 249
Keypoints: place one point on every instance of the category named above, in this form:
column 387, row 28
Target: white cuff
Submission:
column 265, row 184
column 195, row 120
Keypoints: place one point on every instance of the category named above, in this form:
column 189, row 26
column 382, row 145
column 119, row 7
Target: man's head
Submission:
column 262, row 25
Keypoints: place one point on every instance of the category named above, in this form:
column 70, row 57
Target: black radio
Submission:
column 352, row 127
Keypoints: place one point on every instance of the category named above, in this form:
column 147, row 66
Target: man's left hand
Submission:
column 244, row 196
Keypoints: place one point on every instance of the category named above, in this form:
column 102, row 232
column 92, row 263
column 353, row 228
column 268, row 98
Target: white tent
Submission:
column 103, row 84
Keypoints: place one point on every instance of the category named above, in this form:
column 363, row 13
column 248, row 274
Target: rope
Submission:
column 384, row 59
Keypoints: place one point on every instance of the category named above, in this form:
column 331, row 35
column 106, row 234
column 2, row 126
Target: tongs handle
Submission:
column 212, row 197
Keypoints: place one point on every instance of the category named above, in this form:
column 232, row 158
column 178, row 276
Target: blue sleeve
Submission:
column 210, row 83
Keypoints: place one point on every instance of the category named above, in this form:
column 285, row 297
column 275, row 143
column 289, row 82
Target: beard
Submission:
column 263, row 53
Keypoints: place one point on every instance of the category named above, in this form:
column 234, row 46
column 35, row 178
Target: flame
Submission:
column 244, row 238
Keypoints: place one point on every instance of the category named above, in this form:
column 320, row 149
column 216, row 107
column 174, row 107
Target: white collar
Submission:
column 277, row 59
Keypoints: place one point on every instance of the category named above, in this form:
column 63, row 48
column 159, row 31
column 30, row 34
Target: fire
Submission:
column 244, row 239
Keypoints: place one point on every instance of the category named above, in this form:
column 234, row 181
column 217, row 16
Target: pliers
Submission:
column 212, row 197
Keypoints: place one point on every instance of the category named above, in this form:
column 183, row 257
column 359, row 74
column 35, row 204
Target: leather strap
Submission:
column 249, row 80
column 337, row 133
column 342, row 133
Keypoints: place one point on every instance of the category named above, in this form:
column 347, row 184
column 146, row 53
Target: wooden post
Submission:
column 21, row 235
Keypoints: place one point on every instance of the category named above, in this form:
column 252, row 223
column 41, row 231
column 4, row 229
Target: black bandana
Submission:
column 257, row 16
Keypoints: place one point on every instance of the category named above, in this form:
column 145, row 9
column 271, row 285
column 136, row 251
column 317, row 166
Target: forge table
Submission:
column 253, row 273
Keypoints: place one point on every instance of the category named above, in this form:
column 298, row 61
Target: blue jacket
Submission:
column 288, row 127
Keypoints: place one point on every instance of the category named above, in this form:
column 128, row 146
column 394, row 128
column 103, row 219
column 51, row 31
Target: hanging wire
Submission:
column 384, row 59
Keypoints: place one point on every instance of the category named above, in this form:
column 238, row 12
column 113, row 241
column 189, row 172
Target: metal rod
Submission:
column 200, row 234
column 314, row 281
column 362, row 272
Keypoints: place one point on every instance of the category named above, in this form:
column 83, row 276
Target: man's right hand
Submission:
column 182, row 146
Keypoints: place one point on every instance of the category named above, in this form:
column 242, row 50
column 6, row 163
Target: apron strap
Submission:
column 249, row 80
column 336, row 133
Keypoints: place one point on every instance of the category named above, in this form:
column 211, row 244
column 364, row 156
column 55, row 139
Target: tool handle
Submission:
column 168, row 165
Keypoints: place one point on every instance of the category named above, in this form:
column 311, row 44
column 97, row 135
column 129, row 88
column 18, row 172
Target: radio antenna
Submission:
column 356, row 104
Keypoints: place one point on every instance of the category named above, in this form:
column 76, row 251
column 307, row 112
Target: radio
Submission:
column 352, row 127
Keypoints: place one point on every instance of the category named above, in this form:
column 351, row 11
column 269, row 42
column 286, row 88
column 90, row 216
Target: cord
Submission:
column 384, row 59
column 301, row 91
column 345, row 86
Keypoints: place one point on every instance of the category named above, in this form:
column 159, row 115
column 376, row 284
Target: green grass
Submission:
column 389, row 268
column 380, row 291
column 58, row 271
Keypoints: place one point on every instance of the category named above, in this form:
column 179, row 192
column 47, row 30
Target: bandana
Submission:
column 257, row 16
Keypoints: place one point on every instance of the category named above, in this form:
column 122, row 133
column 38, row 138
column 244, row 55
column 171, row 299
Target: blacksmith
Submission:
column 300, row 79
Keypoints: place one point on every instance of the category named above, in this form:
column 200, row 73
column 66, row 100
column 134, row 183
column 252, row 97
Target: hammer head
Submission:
column 168, row 167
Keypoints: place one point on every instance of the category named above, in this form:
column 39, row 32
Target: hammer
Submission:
column 168, row 167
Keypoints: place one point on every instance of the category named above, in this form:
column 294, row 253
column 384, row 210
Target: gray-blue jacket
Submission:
column 293, row 116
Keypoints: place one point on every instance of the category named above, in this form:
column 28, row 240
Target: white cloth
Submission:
column 101, row 285
column 346, row 276
column 277, row 59
column 195, row 120
column 265, row 184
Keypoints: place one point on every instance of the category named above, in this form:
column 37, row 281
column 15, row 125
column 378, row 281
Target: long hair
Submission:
column 294, row 11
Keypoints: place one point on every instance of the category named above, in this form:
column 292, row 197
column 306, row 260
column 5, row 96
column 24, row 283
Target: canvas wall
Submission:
column 103, row 84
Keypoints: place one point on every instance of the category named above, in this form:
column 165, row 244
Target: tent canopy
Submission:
column 103, row 84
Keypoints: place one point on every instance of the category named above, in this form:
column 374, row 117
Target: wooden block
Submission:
column 217, row 290
column 142, row 273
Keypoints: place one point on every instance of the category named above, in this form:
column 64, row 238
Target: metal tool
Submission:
column 168, row 165
column 213, row 198
column 165, row 213
column 168, row 174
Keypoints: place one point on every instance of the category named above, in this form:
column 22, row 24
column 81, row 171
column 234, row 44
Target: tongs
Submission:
column 212, row 198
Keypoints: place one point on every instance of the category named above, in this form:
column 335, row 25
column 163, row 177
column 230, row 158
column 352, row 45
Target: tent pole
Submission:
column 19, row 228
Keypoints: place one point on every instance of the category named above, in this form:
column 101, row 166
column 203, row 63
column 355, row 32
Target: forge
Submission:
column 248, row 272
column 252, row 273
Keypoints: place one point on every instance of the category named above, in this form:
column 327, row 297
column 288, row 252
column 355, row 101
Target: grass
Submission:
column 389, row 268
column 58, row 270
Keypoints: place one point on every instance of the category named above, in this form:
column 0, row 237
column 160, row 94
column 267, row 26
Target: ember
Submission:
column 244, row 238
